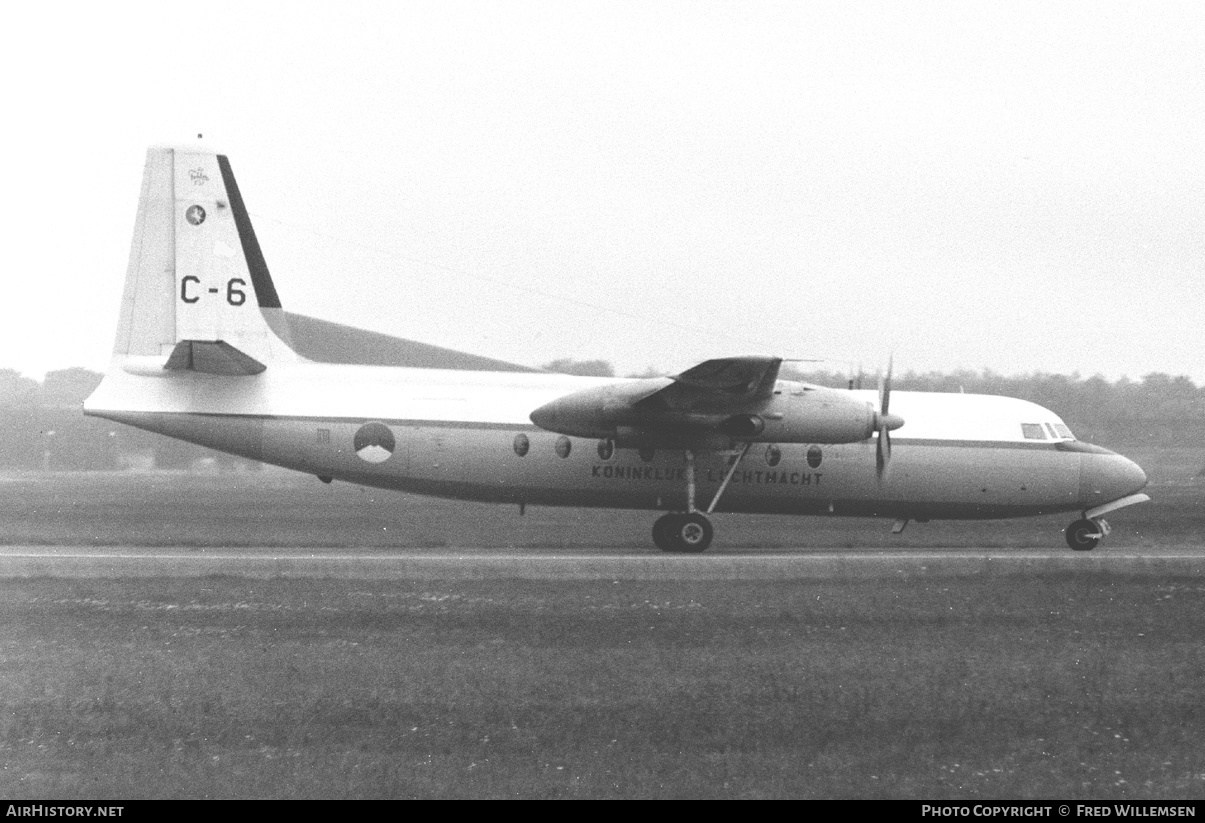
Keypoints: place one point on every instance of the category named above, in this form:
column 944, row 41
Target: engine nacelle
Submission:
column 818, row 415
column 743, row 426
column 798, row 414
column 597, row 411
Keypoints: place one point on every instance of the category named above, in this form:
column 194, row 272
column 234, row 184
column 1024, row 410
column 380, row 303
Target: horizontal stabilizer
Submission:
column 212, row 357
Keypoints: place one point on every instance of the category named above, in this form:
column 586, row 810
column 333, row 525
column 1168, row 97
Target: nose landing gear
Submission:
column 1084, row 535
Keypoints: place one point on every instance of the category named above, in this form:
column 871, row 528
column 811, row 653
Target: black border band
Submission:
column 265, row 292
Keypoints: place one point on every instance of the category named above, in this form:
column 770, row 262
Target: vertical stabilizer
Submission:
column 148, row 313
column 196, row 271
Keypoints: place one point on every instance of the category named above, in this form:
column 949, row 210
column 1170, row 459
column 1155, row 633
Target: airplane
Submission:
column 205, row 352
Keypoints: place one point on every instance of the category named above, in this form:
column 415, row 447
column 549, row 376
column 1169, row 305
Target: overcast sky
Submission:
column 1013, row 186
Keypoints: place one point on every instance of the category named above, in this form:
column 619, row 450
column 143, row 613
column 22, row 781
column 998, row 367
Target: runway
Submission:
column 559, row 564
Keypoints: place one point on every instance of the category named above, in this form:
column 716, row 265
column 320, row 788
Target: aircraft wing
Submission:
column 709, row 406
column 725, row 384
column 712, row 396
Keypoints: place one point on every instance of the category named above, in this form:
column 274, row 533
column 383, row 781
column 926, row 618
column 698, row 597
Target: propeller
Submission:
column 885, row 422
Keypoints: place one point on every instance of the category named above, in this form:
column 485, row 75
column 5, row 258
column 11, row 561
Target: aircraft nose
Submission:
column 1108, row 477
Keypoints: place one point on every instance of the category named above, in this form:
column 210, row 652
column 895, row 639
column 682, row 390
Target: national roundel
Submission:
column 374, row 442
column 195, row 215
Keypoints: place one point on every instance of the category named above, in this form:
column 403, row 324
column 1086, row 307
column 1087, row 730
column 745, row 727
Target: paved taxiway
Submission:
column 468, row 564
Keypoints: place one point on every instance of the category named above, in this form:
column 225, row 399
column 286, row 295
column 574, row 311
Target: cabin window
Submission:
column 773, row 455
column 605, row 449
column 522, row 444
column 1064, row 431
column 1053, row 434
column 646, row 455
column 1033, row 431
column 815, row 455
column 563, row 446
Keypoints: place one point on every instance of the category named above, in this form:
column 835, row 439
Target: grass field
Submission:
column 1021, row 685
column 1067, row 686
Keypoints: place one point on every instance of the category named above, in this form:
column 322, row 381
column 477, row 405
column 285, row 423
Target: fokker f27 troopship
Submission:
column 206, row 353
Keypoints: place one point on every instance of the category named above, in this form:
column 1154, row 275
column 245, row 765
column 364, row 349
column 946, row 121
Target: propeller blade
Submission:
column 886, row 422
column 885, row 388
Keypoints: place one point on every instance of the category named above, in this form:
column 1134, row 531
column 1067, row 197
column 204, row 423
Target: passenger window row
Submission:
column 606, row 449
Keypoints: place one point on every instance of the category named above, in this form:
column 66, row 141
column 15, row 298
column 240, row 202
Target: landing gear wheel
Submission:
column 692, row 533
column 1083, row 535
column 663, row 532
column 683, row 533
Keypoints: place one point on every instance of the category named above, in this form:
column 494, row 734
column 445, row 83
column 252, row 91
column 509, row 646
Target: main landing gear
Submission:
column 1084, row 535
column 690, row 532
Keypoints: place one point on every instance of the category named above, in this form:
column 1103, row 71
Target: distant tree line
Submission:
column 42, row 425
column 582, row 368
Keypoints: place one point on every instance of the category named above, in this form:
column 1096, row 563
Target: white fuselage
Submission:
column 459, row 434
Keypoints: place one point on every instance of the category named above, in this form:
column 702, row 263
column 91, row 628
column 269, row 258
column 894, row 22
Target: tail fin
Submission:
column 196, row 274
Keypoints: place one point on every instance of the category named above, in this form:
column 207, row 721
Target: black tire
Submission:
column 663, row 532
column 1082, row 535
column 693, row 533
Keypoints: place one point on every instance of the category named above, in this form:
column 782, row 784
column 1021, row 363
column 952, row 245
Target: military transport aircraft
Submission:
column 206, row 353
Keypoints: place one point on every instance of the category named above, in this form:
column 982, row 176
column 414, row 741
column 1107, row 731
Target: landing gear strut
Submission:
column 691, row 532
